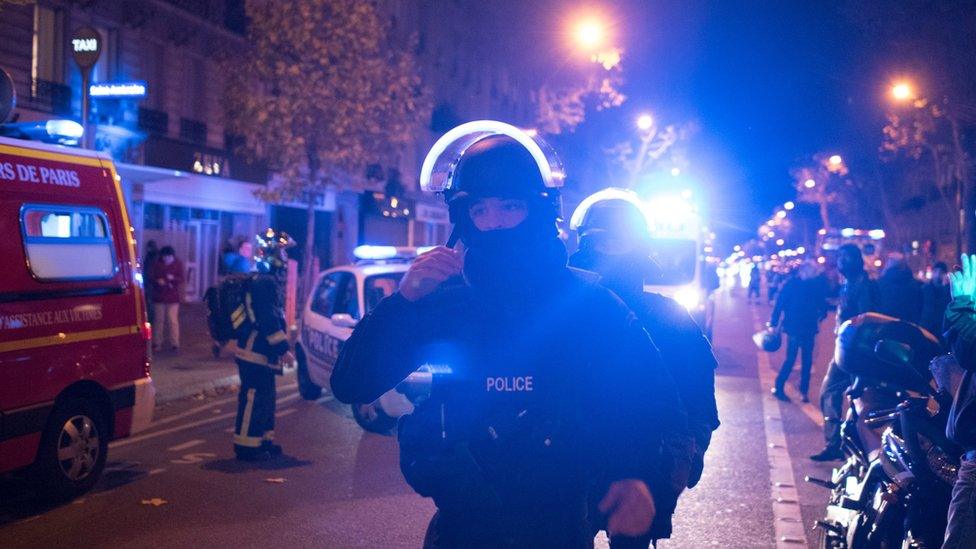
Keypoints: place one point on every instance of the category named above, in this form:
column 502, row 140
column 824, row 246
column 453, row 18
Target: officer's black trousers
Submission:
column 255, row 407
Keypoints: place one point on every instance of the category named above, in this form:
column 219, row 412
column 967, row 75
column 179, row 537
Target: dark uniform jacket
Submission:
column 689, row 359
column 547, row 396
column 802, row 304
column 264, row 340
column 961, row 325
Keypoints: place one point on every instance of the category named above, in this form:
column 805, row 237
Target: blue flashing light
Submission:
column 61, row 132
column 67, row 132
column 375, row 252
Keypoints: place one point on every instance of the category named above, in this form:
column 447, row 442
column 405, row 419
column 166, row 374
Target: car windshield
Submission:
column 380, row 286
column 677, row 258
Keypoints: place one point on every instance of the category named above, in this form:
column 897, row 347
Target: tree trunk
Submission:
column 308, row 276
column 824, row 213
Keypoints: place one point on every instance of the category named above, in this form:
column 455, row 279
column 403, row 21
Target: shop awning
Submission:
column 191, row 190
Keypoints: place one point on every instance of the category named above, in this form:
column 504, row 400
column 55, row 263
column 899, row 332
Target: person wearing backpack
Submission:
column 258, row 323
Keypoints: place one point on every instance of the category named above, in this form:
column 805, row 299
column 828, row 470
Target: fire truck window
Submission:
column 68, row 242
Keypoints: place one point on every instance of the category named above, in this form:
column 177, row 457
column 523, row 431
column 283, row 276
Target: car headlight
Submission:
column 689, row 298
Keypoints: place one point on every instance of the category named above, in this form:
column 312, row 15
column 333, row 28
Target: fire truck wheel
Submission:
column 306, row 387
column 73, row 449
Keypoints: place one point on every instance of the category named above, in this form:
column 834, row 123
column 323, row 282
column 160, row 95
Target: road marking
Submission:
column 192, row 424
column 284, row 413
column 157, row 471
column 186, row 445
column 197, row 457
column 788, row 522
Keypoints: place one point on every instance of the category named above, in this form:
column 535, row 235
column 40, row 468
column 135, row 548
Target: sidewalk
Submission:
column 193, row 370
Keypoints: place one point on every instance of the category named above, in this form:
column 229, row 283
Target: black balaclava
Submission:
column 623, row 273
column 516, row 261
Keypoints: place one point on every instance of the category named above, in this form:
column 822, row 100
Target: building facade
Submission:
column 184, row 184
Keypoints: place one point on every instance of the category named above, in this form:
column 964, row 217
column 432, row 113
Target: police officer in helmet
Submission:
column 262, row 348
column 539, row 400
column 614, row 239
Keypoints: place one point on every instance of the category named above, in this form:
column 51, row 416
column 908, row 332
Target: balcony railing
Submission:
column 50, row 97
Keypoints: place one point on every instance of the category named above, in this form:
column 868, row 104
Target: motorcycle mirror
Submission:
column 893, row 351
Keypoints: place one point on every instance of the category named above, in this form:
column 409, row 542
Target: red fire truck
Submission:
column 74, row 337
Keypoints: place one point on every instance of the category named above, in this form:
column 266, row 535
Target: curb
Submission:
column 209, row 386
column 179, row 393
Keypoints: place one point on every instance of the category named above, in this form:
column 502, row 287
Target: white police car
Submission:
column 340, row 297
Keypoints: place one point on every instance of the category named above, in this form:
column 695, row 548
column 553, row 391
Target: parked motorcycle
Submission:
column 894, row 486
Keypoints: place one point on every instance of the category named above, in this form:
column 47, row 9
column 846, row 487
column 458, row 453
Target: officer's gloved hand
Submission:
column 630, row 508
column 429, row 271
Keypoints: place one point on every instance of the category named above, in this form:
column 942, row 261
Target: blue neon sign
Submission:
column 114, row 90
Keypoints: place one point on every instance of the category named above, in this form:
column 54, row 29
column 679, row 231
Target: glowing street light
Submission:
column 590, row 33
column 809, row 183
column 781, row 214
column 835, row 160
column 675, row 172
column 902, row 91
column 645, row 122
column 789, row 205
column 780, row 242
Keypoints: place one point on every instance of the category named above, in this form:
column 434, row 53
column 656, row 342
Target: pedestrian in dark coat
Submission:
column 802, row 305
column 168, row 276
column 901, row 294
column 859, row 294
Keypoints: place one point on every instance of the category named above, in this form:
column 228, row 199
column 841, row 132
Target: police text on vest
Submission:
column 509, row 384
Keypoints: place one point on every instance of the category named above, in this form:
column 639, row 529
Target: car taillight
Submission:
column 147, row 331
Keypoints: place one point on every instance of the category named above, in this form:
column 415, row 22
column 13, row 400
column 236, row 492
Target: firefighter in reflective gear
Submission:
column 614, row 237
column 262, row 349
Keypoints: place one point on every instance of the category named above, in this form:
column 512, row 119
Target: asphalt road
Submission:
column 177, row 485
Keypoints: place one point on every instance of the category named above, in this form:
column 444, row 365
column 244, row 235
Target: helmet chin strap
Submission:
column 453, row 239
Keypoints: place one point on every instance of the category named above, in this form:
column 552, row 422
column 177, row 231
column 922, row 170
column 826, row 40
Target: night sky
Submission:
column 770, row 84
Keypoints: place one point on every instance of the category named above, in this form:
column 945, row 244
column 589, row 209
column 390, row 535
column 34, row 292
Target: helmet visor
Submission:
column 438, row 169
column 583, row 215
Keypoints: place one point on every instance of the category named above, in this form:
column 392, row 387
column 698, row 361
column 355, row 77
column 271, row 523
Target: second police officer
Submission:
column 262, row 348
column 541, row 400
column 614, row 232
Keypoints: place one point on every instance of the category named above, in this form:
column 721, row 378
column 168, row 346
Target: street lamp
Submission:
column 835, row 160
column 789, row 205
column 902, row 91
column 590, row 34
column 645, row 122
column 809, row 183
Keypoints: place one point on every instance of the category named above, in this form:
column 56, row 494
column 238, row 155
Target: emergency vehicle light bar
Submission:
column 369, row 252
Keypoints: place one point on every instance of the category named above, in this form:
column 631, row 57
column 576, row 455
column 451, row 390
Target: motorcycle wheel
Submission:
column 829, row 540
